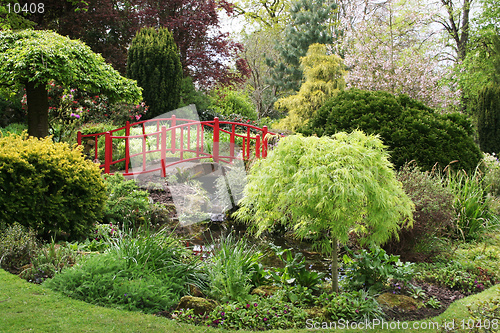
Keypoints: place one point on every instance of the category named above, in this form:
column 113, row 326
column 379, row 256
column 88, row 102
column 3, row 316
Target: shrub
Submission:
column 49, row 187
column 492, row 174
column 11, row 111
column 17, row 246
column 455, row 276
column 373, row 269
column 48, row 260
column 227, row 101
column 434, row 212
column 126, row 205
column 294, row 271
column 352, row 306
column 411, row 130
column 16, row 128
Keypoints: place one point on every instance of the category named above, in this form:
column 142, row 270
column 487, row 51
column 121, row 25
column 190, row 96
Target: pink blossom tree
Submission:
column 394, row 50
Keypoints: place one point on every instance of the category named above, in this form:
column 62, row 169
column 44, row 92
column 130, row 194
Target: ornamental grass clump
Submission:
column 472, row 205
column 323, row 189
column 232, row 269
column 145, row 272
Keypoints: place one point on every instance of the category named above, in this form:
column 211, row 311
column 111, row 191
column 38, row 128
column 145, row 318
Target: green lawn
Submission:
column 28, row 307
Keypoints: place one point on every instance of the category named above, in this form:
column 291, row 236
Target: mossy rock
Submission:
column 266, row 290
column 317, row 313
column 198, row 304
column 403, row 302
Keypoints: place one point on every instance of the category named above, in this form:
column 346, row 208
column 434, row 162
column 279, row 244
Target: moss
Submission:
column 400, row 301
column 265, row 290
column 198, row 304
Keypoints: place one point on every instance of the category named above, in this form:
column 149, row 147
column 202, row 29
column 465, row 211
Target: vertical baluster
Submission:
column 215, row 152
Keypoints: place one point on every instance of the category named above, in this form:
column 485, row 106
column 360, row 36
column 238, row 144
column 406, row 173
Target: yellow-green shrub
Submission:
column 48, row 187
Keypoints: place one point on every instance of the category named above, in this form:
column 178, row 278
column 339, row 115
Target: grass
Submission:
column 29, row 307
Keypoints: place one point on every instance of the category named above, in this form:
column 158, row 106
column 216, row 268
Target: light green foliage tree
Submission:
column 309, row 24
column 229, row 100
column 264, row 13
column 9, row 19
column 324, row 188
column 32, row 58
column 324, row 76
column 482, row 62
column 154, row 61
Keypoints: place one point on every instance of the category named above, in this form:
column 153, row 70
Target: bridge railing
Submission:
column 177, row 137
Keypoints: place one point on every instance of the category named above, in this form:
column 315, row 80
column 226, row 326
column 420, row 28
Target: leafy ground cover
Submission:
column 26, row 306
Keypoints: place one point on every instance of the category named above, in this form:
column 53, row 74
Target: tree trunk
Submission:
column 335, row 273
column 38, row 109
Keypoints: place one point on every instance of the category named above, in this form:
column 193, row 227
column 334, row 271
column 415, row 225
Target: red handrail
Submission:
column 183, row 125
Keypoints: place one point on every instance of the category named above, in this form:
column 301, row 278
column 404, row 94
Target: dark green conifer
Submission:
column 154, row 61
column 309, row 24
column 488, row 118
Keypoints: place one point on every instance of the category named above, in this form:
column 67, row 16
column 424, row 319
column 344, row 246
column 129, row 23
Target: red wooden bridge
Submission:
column 178, row 137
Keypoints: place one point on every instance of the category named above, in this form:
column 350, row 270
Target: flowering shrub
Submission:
column 70, row 108
column 262, row 314
column 492, row 176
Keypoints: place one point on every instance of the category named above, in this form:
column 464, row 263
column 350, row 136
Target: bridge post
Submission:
column 127, row 148
column 264, row 141
column 79, row 138
column 163, row 149
column 108, row 152
column 173, row 134
column 215, row 148
column 232, row 143
column 257, row 146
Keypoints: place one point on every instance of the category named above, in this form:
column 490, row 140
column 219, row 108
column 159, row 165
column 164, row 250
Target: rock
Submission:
column 391, row 300
column 317, row 313
column 217, row 217
column 198, row 304
column 265, row 290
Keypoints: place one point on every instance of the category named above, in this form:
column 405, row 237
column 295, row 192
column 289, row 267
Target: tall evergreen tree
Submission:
column 488, row 118
column 153, row 60
column 309, row 24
